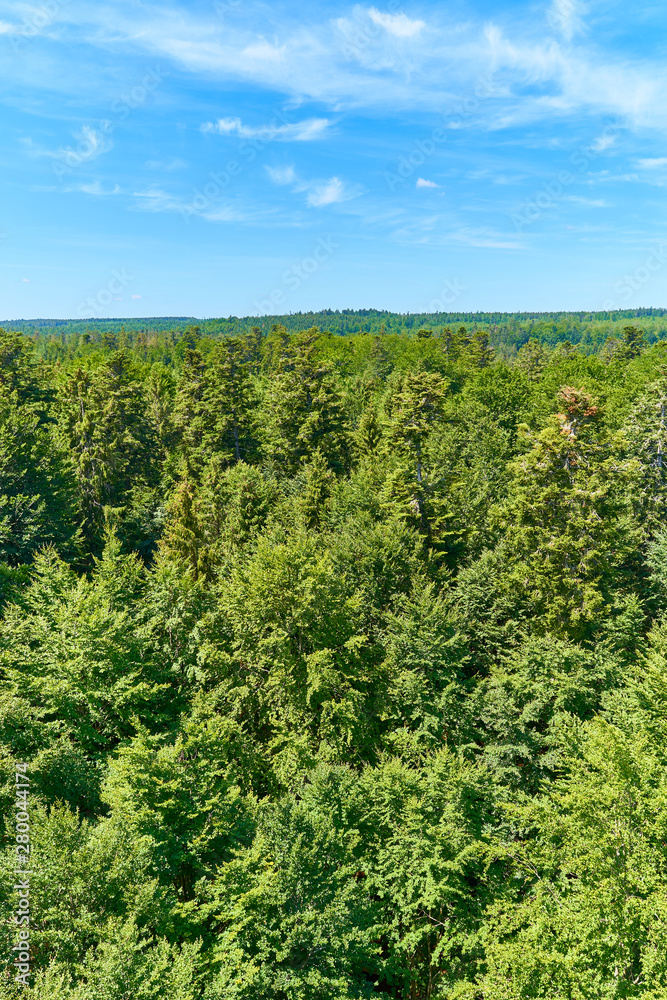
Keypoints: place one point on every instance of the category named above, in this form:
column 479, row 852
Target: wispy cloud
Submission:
column 88, row 145
column 304, row 131
column 318, row 193
column 653, row 163
column 433, row 231
column 328, row 193
column 363, row 66
column 603, row 142
column 96, row 189
column 282, row 175
column 422, row 183
column 566, row 17
column 593, row 202
column 396, row 24
column 157, row 200
column 168, row 166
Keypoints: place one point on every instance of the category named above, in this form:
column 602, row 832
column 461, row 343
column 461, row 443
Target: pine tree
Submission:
column 302, row 409
column 104, row 424
column 646, row 433
column 37, row 492
column 570, row 533
column 481, row 353
column 229, row 401
column 183, row 540
column 532, row 359
column 633, row 343
column 192, row 419
column 20, row 374
column 316, row 491
column 413, row 408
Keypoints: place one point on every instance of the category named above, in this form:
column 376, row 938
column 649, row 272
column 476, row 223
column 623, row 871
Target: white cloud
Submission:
column 282, row 175
column 265, row 52
column 156, row 200
column 653, row 163
column 593, row 202
column 565, row 16
column 319, row 193
column 421, row 183
column 96, row 189
column 166, row 165
column 603, row 142
column 433, row 230
column 88, row 145
column 536, row 78
column 136, row 296
column 305, row 131
column 328, row 193
column 396, row 24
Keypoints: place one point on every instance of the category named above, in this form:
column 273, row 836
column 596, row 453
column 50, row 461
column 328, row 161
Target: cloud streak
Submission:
column 304, row 131
column 374, row 59
column 318, row 193
column 398, row 25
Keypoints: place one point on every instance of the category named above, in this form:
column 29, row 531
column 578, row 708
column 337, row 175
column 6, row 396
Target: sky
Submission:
column 242, row 158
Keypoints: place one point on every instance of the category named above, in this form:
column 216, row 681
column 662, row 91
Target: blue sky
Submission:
column 237, row 157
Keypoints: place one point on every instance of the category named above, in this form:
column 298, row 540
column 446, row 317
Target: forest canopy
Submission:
column 337, row 657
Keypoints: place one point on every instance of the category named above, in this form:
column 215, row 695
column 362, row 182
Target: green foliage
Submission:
column 338, row 663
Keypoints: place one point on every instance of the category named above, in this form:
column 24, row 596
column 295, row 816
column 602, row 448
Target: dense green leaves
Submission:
column 339, row 664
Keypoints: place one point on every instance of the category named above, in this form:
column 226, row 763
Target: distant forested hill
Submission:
column 507, row 332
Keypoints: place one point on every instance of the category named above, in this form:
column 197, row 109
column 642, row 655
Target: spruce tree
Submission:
column 229, row 399
column 302, row 409
column 570, row 534
column 105, row 425
column 646, row 433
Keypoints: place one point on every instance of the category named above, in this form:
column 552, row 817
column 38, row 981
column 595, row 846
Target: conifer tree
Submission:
column 105, row 426
column 316, row 490
column 646, row 432
column 20, row 374
column 570, row 530
column 229, row 400
column 412, row 409
column 532, row 359
column 481, row 353
column 37, row 501
column 192, row 419
column 302, row 408
column 184, row 539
